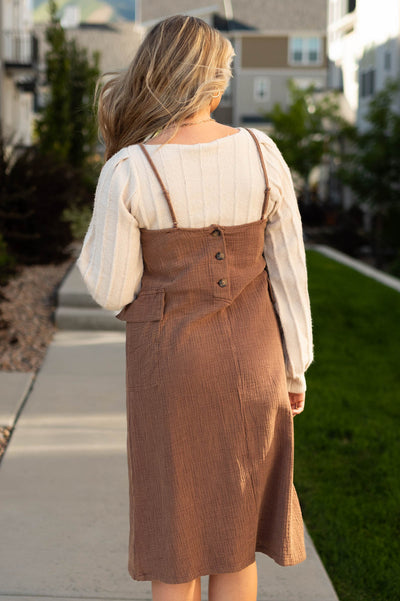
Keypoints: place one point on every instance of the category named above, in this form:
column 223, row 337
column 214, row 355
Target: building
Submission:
column 116, row 42
column 363, row 51
column 18, row 57
column 273, row 41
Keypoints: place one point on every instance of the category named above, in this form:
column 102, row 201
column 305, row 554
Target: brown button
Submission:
column 220, row 256
column 215, row 233
column 223, row 283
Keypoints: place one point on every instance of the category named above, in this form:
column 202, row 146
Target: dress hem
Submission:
column 282, row 560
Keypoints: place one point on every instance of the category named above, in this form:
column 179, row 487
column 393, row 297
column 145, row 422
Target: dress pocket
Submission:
column 143, row 318
column 147, row 306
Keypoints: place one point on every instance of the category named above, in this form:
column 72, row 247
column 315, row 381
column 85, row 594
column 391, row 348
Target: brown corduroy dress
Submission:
column 210, row 428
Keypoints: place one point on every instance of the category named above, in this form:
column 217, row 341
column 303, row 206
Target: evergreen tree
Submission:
column 67, row 126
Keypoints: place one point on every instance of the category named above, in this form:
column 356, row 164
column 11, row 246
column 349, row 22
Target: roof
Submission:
column 116, row 42
column 261, row 15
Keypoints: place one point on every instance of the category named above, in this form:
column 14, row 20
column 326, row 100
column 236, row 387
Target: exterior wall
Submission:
column 272, row 51
column 17, row 114
column 249, row 105
column 16, row 69
column 262, row 15
column 260, row 33
column 378, row 33
column 264, row 52
column 262, row 71
column 363, row 48
column 116, row 43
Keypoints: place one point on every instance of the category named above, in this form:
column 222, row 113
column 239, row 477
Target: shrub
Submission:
column 79, row 219
column 7, row 262
column 34, row 192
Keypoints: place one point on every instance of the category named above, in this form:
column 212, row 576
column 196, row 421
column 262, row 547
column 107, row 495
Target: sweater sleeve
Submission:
column 286, row 263
column 110, row 260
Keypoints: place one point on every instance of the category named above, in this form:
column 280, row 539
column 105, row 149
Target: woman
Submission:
column 187, row 214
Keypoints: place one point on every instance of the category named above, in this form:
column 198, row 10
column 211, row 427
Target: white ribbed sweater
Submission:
column 214, row 182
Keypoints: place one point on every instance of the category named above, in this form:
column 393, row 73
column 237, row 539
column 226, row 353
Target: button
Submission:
column 215, row 233
column 220, row 256
column 223, row 283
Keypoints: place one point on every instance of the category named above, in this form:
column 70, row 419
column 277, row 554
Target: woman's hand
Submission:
column 297, row 400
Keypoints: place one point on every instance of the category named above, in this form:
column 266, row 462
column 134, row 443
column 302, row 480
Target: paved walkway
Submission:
column 64, row 493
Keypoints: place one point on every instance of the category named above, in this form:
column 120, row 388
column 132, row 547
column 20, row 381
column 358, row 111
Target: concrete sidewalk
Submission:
column 64, row 488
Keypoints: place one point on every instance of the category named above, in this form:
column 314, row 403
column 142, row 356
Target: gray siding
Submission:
column 264, row 15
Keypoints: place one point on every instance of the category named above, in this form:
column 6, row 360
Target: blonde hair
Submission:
column 179, row 67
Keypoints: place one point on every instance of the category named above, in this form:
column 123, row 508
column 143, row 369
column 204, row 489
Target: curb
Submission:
column 15, row 388
column 372, row 272
column 77, row 310
column 84, row 318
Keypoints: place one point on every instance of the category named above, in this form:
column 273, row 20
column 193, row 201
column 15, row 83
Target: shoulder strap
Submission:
column 267, row 188
column 163, row 188
column 166, row 193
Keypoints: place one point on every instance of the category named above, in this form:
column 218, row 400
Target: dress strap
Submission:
column 267, row 188
column 163, row 188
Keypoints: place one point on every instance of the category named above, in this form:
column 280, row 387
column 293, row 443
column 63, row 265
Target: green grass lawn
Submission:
column 347, row 457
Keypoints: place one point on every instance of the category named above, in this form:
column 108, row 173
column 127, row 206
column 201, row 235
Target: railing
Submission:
column 20, row 49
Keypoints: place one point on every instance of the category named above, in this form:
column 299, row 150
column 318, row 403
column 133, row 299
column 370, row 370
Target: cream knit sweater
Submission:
column 215, row 182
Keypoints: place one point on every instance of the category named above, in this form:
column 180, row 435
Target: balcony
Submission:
column 20, row 50
column 343, row 25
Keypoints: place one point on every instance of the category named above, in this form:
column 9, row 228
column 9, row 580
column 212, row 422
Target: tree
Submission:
column 67, row 126
column 372, row 167
column 307, row 130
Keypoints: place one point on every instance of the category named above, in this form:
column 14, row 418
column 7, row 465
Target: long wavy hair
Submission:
column 181, row 64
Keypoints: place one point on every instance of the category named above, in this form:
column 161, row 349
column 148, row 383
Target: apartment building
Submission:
column 273, row 40
column 115, row 42
column 363, row 50
column 18, row 57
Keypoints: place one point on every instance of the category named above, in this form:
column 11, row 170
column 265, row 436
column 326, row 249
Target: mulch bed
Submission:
column 27, row 304
column 5, row 434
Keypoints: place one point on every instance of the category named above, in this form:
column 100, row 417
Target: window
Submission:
column 351, row 5
column 313, row 50
column 367, row 83
column 305, row 51
column 261, row 89
column 297, row 50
